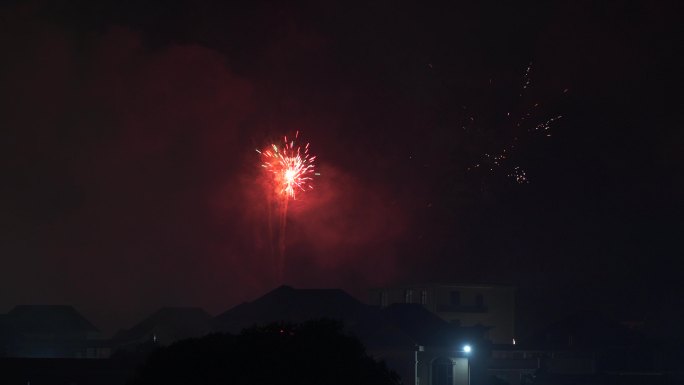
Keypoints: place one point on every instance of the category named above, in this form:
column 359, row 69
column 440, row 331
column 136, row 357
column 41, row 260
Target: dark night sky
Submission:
column 129, row 176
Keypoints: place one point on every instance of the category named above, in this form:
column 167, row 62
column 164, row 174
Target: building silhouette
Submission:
column 470, row 305
column 420, row 346
column 50, row 331
column 166, row 326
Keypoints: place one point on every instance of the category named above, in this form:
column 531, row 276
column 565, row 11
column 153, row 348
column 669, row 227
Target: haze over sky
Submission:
column 130, row 180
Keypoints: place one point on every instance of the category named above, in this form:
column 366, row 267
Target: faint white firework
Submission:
column 492, row 161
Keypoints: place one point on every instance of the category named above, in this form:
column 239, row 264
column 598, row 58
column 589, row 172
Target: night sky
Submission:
column 130, row 180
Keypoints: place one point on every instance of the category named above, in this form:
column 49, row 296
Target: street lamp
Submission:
column 467, row 349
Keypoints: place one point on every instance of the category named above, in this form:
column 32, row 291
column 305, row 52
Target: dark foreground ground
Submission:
column 51, row 371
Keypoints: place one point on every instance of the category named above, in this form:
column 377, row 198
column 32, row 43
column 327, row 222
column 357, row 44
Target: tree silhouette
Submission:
column 315, row 353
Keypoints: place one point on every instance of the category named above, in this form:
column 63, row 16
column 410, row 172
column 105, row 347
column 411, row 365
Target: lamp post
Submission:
column 467, row 349
column 419, row 348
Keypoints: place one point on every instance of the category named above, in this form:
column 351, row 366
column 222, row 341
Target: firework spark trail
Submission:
column 290, row 169
column 526, row 79
column 501, row 157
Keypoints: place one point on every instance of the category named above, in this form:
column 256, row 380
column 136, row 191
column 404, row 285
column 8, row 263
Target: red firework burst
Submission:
column 291, row 166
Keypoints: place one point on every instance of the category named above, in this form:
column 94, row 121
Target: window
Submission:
column 408, row 296
column 455, row 298
column 479, row 301
column 383, row 299
column 442, row 371
column 423, row 297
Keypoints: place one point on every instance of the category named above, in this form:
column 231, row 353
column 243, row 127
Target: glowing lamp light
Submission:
column 467, row 349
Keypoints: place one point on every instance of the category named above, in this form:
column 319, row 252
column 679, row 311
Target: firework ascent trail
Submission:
column 290, row 170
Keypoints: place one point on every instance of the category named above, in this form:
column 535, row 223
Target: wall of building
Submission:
column 465, row 305
column 460, row 366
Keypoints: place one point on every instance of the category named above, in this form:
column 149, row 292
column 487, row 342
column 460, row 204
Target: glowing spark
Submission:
column 519, row 175
column 291, row 166
column 527, row 120
column 526, row 77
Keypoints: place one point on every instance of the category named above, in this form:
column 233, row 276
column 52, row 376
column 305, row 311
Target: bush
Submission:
column 315, row 353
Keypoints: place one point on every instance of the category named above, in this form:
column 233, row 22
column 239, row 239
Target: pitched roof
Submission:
column 292, row 305
column 454, row 285
column 419, row 323
column 48, row 319
column 407, row 325
column 171, row 324
column 397, row 326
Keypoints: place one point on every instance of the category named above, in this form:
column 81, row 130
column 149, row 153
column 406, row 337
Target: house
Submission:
column 418, row 345
column 292, row 305
column 441, row 353
column 49, row 331
column 167, row 325
column 469, row 305
column 584, row 347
